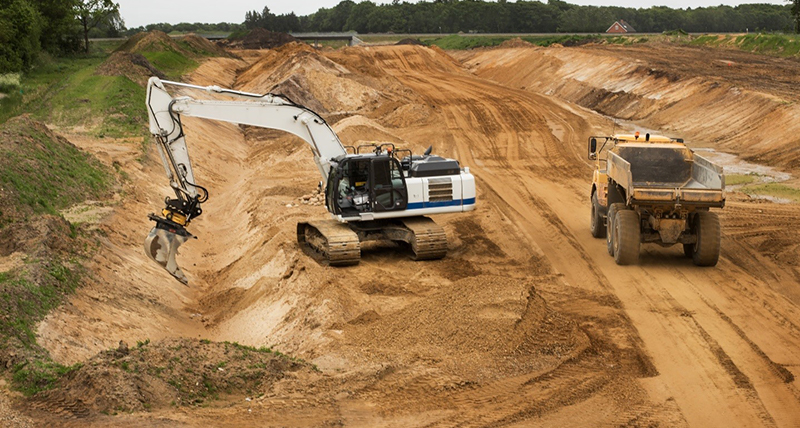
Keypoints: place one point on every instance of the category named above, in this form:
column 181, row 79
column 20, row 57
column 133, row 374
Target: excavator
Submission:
column 372, row 192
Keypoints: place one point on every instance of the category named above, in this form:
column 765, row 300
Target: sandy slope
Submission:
column 527, row 321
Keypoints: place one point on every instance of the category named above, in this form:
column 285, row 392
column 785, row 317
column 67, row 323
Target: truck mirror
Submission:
column 593, row 145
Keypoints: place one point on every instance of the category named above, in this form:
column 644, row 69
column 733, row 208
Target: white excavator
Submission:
column 371, row 192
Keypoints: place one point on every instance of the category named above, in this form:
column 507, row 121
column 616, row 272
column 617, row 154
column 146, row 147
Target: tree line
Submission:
column 555, row 16
column 59, row 27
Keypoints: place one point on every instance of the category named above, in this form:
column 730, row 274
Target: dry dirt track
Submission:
column 527, row 322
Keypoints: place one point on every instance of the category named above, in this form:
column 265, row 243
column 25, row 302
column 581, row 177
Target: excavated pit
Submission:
column 527, row 321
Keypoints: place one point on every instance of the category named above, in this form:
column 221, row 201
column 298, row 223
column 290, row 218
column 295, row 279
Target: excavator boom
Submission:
column 164, row 113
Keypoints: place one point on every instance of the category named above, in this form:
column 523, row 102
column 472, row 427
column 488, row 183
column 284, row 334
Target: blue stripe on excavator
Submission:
column 453, row 203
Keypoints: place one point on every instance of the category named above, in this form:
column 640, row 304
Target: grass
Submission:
column 45, row 175
column 112, row 105
column 9, row 83
column 460, row 42
column 68, row 92
column 776, row 190
column 784, row 45
column 25, row 299
column 36, row 376
column 172, row 63
column 739, row 179
column 456, row 42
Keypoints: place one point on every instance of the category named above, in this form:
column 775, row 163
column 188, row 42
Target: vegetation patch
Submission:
column 69, row 92
column 173, row 64
column 773, row 190
column 28, row 293
column 739, row 179
column 173, row 372
column 9, row 82
column 460, row 42
column 42, row 173
column 784, row 45
column 173, row 57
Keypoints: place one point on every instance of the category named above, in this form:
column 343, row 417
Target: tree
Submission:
column 20, row 26
column 91, row 13
column 796, row 15
column 61, row 33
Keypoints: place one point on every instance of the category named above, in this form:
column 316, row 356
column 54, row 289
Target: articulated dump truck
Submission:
column 654, row 189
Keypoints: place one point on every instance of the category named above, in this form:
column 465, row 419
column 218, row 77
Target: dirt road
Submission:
column 527, row 321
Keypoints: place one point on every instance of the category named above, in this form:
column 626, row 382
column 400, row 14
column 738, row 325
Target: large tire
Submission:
column 627, row 237
column 706, row 250
column 612, row 210
column 598, row 222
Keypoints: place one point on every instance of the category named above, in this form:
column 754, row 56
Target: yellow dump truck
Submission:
column 654, row 189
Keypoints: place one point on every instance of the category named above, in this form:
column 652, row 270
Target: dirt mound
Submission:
column 410, row 41
column 189, row 45
column 261, row 38
column 204, row 47
column 178, row 372
column 295, row 88
column 484, row 324
column 516, row 42
column 310, row 78
column 134, row 66
column 152, row 41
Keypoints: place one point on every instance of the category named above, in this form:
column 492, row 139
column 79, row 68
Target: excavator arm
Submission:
column 266, row 111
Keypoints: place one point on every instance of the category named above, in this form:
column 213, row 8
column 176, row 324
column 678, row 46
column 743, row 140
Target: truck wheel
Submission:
column 612, row 210
column 688, row 250
column 598, row 222
column 706, row 250
column 627, row 237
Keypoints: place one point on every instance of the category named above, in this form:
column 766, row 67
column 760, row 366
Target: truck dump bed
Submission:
column 666, row 173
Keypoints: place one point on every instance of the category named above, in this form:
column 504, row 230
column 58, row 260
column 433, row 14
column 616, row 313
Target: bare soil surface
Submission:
column 527, row 321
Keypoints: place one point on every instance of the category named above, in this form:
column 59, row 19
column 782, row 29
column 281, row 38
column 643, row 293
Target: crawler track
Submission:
column 428, row 240
column 334, row 242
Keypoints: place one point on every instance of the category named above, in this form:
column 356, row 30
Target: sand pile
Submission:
column 152, row 41
column 134, row 66
column 479, row 322
column 261, row 38
column 309, row 78
column 516, row 42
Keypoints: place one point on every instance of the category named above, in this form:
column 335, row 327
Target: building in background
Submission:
column 620, row 27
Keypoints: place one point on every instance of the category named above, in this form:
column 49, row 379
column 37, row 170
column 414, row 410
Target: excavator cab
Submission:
column 366, row 183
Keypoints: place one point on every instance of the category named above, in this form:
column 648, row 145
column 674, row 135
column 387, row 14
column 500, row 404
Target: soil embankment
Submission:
column 730, row 100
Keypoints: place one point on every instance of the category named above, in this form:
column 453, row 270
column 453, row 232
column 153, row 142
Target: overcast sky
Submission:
column 142, row 12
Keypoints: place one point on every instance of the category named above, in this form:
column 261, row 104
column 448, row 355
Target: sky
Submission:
column 138, row 13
